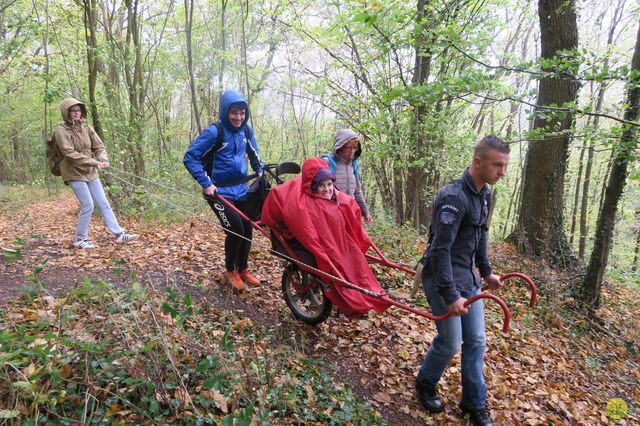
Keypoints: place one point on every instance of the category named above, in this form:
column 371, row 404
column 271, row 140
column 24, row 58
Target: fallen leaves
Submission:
column 552, row 368
column 221, row 401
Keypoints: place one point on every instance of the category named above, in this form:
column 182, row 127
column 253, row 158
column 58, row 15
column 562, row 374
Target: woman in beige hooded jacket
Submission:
column 83, row 154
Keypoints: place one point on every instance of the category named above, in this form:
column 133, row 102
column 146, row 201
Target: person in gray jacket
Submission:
column 343, row 162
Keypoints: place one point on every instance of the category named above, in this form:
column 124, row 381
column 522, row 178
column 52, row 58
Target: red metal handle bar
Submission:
column 322, row 274
column 386, row 262
column 534, row 291
column 483, row 295
column 425, row 314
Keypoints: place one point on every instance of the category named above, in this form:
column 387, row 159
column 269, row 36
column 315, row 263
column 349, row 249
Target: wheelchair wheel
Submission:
column 304, row 295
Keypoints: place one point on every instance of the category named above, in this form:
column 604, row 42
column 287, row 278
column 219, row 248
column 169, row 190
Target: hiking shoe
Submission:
column 124, row 238
column 248, row 278
column 84, row 244
column 429, row 399
column 478, row 417
column 235, row 281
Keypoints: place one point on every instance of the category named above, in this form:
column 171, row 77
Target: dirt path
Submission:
column 187, row 256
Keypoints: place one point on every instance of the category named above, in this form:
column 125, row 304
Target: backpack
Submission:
column 53, row 154
column 256, row 196
column 332, row 164
column 208, row 158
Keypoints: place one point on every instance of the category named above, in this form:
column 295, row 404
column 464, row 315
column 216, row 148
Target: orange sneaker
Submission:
column 248, row 278
column 235, row 281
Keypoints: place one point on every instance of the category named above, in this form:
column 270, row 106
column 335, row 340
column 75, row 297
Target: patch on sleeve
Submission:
column 447, row 217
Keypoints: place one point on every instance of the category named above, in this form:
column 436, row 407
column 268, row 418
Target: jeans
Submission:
column 87, row 193
column 456, row 333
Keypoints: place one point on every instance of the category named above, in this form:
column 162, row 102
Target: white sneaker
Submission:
column 84, row 244
column 125, row 238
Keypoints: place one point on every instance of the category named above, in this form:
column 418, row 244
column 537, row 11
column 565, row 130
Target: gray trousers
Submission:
column 87, row 193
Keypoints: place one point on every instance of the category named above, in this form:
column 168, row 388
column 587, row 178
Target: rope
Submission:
column 141, row 188
column 154, row 182
column 259, row 244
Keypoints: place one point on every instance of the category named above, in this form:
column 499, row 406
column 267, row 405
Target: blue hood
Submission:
column 226, row 100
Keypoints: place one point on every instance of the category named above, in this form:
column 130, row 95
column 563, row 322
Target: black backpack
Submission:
column 207, row 159
column 256, row 196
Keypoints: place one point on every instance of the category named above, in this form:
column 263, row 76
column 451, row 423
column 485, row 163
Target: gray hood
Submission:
column 343, row 136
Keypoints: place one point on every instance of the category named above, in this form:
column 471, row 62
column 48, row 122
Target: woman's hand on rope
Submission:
column 210, row 191
column 103, row 165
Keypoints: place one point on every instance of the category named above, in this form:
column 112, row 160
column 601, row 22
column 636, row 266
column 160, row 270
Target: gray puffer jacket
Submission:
column 342, row 167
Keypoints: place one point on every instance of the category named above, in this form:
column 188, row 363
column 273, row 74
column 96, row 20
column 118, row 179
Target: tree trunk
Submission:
column 623, row 152
column 540, row 225
column 596, row 123
column 585, row 198
column 636, row 250
column 113, row 32
column 513, row 198
column 90, row 32
column 415, row 188
column 47, row 128
column 188, row 25
column 243, row 53
column 135, row 83
column 223, row 42
column 576, row 194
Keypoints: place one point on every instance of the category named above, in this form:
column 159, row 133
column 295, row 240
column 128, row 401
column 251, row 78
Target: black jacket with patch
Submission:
column 458, row 238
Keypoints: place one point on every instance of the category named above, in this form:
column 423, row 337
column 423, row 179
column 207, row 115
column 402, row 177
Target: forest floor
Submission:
column 554, row 366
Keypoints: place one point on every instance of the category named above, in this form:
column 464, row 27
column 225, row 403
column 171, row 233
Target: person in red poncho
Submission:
column 329, row 226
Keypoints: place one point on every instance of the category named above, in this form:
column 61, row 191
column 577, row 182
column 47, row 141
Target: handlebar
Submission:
column 534, row 292
column 483, row 295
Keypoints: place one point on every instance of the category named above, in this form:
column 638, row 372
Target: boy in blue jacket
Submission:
column 230, row 139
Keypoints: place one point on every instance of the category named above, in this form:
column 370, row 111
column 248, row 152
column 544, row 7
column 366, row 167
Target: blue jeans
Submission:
column 86, row 193
column 456, row 333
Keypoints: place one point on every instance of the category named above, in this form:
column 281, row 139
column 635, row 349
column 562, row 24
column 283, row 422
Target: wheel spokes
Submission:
column 311, row 297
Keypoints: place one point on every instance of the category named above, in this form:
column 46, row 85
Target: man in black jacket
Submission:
column 457, row 251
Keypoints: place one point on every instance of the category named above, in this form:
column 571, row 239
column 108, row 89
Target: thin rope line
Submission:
column 152, row 182
column 259, row 244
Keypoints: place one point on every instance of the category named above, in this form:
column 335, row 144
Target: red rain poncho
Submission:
column 332, row 231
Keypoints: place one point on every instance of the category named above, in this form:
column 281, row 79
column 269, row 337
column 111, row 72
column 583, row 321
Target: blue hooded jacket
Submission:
column 229, row 163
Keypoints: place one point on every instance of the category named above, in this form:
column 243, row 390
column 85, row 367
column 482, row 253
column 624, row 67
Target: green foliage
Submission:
column 399, row 243
column 13, row 199
column 178, row 306
column 101, row 355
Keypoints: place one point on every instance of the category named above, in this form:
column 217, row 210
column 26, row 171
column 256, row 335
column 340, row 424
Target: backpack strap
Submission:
column 247, row 135
column 331, row 160
column 332, row 164
column 220, row 138
column 209, row 156
column 356, row 168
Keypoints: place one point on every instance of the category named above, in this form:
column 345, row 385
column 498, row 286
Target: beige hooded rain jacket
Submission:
column 81, row 147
